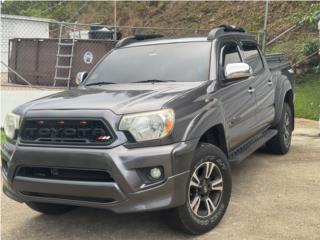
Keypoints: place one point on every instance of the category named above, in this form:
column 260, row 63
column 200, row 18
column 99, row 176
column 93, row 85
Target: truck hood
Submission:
column 119, row 98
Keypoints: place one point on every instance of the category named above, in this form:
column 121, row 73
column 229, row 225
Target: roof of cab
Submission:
column 166, row 41
column 142, row 40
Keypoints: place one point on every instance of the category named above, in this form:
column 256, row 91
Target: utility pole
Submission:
column 115, row 20
column 317, row 17
column 266, row 10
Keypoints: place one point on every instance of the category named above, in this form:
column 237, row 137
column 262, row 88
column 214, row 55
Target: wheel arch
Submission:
column 210, row 126
column 284, row 93
column 216, row 135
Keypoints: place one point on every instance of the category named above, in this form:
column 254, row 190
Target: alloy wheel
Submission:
column 205, row 189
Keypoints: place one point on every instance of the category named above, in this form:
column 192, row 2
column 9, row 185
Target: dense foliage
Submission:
column 58, row 10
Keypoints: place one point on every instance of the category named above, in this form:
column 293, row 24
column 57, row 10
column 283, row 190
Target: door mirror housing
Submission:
column 237, row 70
column 81, row 76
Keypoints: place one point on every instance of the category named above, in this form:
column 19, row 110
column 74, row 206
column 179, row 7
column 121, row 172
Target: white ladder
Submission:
column 63, row 72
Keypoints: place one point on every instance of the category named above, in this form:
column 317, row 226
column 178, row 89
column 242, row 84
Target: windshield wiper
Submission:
column 153, row 81
column 99, row 83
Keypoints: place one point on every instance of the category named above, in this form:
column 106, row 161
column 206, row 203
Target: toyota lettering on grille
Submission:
column 65, row 132
column 87, row 131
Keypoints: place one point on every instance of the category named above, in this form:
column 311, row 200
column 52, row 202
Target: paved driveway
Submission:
column 274, row 197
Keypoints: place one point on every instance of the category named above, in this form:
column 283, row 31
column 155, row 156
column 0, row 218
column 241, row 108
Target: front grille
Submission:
column 70, row 174
column 66, row 131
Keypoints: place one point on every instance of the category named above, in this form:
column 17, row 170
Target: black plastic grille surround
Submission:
column 66, row 131
column 76, row 198
column 65, row 174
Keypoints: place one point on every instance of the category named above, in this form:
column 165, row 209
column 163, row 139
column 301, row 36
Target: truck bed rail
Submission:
column 277, row 61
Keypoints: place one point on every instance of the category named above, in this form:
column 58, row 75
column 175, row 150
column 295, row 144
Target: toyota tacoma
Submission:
column 155, row 125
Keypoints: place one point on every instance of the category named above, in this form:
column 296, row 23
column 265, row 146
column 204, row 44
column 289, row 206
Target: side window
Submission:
column 252, row 56
column 230, row 54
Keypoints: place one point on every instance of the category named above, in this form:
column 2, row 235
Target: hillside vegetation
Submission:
column 187, row 15
column 205, row 15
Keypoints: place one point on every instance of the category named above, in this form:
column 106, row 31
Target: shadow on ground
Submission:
column 89, row 223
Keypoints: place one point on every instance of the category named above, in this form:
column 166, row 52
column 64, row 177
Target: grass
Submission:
column 2, row 137
column 307, row 98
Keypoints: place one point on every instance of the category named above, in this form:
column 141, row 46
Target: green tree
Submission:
column 58, row 10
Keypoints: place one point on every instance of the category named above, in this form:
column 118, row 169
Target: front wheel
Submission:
column 208, row 192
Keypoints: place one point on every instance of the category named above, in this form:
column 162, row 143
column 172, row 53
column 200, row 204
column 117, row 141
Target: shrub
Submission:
column 310, row 47
column 316, row 69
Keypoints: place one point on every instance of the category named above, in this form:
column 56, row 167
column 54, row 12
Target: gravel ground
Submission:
column 274, row 197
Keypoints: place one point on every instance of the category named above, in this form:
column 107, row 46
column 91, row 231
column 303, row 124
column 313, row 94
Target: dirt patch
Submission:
column 306, row 123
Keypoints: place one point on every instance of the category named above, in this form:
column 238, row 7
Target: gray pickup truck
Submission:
column 155, row 125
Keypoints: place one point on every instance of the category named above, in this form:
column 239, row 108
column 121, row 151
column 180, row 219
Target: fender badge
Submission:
column 103, row 138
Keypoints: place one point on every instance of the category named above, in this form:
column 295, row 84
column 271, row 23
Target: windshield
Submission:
column 181, row 62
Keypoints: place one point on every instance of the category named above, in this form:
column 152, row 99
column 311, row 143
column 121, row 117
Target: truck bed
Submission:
column 277, row 61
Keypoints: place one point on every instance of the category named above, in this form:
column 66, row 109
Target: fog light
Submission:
column 155, row 173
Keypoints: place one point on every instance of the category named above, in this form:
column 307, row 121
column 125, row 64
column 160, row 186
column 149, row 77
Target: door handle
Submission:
column 235, row 120
column 270, row 82
column 251, row 90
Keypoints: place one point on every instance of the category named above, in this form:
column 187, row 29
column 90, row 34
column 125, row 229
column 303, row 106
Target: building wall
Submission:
column 11, row 98
column 20, row 27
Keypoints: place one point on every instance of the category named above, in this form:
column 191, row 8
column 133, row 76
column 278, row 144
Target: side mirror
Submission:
column 81, row 76
column 237, row 70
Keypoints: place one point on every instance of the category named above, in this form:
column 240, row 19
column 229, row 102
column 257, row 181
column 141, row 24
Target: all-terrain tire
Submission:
column 280, row 143
column 184, row 217
column 49, row 208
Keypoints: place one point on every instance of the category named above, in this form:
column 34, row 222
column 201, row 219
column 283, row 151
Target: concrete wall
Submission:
column 20, row 27
column 10, row 99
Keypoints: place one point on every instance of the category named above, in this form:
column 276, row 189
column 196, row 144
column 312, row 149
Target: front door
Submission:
column 238, row 99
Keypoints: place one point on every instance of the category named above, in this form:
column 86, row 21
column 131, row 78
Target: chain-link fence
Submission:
column 46, row 52
column 38, row 51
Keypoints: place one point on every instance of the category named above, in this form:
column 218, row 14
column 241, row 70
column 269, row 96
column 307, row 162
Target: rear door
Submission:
column 237, row 97
column 262, row 84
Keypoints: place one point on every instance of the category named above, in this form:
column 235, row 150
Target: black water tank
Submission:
column 101, row 32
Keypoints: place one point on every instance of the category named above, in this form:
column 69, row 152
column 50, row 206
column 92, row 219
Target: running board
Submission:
column 250, row 146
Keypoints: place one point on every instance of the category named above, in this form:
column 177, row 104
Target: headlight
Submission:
column 148, row 125
column 11, row 125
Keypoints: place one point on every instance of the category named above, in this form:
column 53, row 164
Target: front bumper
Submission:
column 127, row 193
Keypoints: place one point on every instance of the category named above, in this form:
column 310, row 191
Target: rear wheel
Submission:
column 208, row 192
column 49, row 208
column 280, row 144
